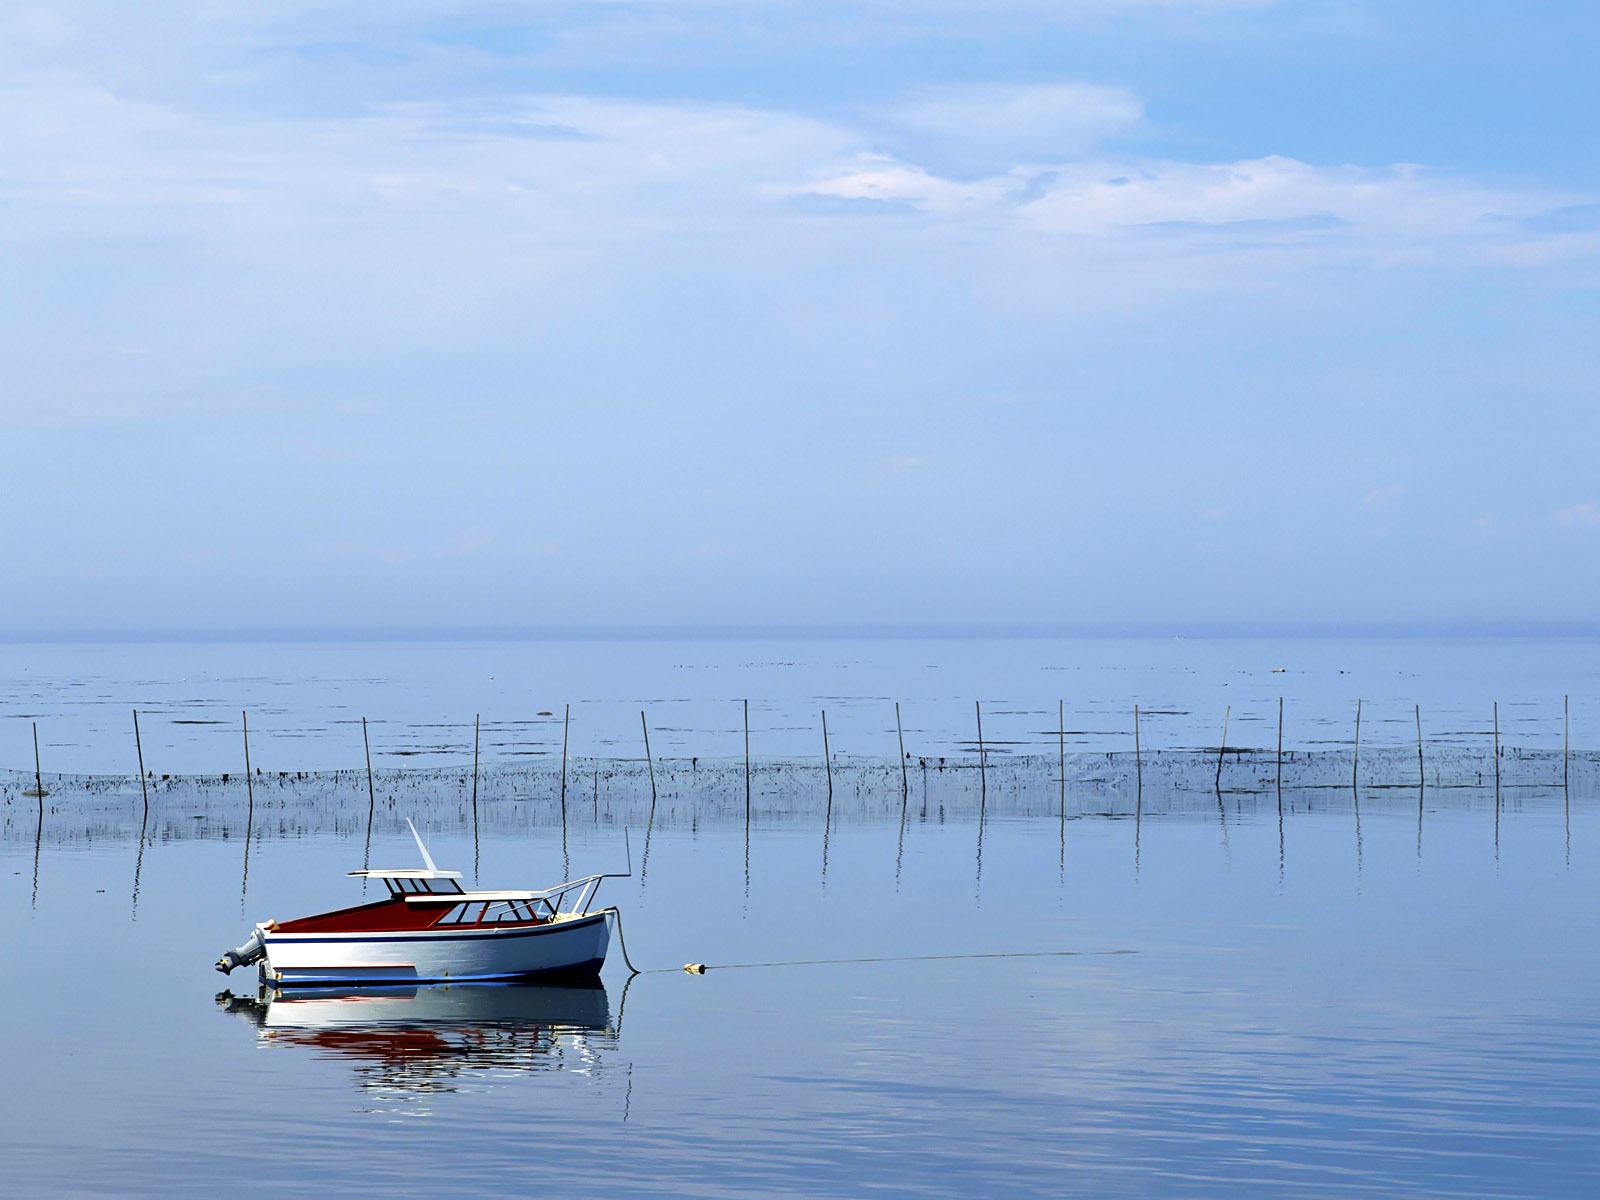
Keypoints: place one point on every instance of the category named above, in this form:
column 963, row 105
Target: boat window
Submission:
column 508, row 912
column 494, row 912
column 438, row 886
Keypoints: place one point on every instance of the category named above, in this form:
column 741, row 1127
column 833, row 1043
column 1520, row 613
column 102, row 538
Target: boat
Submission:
column 429, row 929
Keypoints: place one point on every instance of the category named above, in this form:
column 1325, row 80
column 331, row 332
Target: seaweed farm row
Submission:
column 697, row 791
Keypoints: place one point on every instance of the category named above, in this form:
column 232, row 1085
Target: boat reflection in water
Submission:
column 417, row 1041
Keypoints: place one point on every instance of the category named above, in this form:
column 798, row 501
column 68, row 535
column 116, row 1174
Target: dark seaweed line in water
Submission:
column 1450, row 765
column 513, row 798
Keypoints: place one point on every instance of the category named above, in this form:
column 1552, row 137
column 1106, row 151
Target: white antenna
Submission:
column 426, row 857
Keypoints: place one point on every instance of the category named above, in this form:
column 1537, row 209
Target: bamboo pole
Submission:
column 1497, row 779
column 372, row 805
column 747, row 761
column 1355, row 757
column 1566, row 739
column 1279, row 778
column 250, row 811
column 38, row 775
column 144, row 788
column 827, row 756
column 648, row 760
column 1422, row 778
column 1497, row 752
column 1138, row 761
column 983, row 766
column 1422, row 782
column 249, row 783
column 1138, row 795
column 1226, row 713
column 1061, row 752
column 566, row 721
column 900, row 733
column 475, row 717
column 1278, row 785
column 366, row 745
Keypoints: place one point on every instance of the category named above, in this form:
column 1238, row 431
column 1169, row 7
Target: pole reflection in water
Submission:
column 649, row 830
column 1138, row 830
column 566, row 854
column 977, row 872
column 244, row 880
column 1420, row 795
column 138, row 863
column 1360, row 845
column 1497, row 821
column 900, row 844
column 827, row 829
column 38, row 844
column 1222, row 819
column 1280, row 840
column 1061, row 851
column 415, row 1042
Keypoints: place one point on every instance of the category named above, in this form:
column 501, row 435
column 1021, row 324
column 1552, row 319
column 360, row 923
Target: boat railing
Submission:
column 586, row 887
column 554, row 897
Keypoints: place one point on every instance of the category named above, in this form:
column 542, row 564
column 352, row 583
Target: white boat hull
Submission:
column 575, row 947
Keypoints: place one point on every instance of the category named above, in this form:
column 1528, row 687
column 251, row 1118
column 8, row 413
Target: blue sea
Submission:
column 1011, row 969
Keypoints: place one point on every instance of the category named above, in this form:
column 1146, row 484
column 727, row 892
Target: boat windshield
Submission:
column 423, row 886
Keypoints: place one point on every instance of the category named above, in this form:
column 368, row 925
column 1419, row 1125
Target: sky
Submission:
column 742, row 313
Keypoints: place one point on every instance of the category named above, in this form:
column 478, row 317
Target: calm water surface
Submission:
column 1354, row 1017
column 1205, row 1001
column 306, row 701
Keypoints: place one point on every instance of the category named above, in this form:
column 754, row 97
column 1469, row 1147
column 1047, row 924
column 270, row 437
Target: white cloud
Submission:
column 1386, row 215
column 590, row 160
column 1274, row 191
column 879, row 178
column 1585, row 514
column 452, row 223
column 1010, row 123
column 566, row 166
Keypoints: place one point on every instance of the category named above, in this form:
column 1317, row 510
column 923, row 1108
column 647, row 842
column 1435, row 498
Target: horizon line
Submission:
column 841, row 631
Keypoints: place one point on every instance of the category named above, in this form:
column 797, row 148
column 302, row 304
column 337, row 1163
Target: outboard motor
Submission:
column 254, row 950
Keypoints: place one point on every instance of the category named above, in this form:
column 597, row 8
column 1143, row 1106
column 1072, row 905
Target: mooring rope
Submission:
column 702, row 968
column 622, row 941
